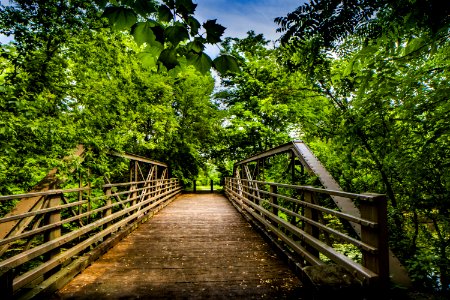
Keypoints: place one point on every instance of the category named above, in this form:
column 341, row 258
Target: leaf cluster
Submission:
column 170, row 32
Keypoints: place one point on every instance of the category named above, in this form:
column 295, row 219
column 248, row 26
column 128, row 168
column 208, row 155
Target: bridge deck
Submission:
column 197, row 247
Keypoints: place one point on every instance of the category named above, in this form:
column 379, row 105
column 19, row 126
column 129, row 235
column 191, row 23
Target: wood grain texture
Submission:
column 198, row 247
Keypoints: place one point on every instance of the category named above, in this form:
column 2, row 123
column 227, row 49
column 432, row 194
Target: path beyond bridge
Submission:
column 199, row 246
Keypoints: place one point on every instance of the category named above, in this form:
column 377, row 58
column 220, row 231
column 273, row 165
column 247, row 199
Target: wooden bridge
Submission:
column 117, row 241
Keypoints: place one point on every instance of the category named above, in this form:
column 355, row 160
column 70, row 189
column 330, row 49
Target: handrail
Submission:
column 298, row 219
column 136, row 182
column 365, row 197
column 67, row 224
column 46, row 193
column 336, row 213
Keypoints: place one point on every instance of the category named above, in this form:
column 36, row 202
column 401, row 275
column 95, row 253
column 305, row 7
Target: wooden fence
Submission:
column 308, row 225
column 67, row 229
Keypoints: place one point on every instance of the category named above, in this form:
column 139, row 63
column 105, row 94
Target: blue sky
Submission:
column 240, row 16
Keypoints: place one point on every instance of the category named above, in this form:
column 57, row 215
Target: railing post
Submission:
column 312, row 215
column 195, row 185
column 108, row 211
column 375, row 210
column 88, row 218
column 274, row 199
column 212, row 186
column 135, row 185
column 51, row 218
column 6, row 284
column 80, row 194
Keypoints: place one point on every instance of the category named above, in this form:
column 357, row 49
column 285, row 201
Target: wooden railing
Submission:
column 310, row 226
column 68, row 223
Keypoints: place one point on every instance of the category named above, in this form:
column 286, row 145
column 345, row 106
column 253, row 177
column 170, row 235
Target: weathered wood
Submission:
column 311, row 214
column 197, row 247
column 6, row 284
column 377, row 237
column 361, row 271
column 60, row 279
column 274, row 199
column 52, row 218
column 343, row 200
column 338, row 214
column 108, row 202
column 44, row 248
column 324, row 228
column 62, row 257
column 27, row 196
column 41, row 211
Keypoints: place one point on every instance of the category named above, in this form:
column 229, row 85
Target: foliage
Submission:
column 388, row 131
column 264, row 106
column 332, row 21
column 68, row 79
column 170, row 30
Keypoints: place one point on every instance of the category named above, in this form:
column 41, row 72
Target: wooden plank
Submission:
column 216, row 263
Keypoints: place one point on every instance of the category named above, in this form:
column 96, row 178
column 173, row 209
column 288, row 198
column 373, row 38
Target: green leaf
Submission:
column 194, row 25
column 170, row 3
column 414, row 45
column 143, row 33
column 195, row 46
column 159, row 33
column 144, row 7
column 124, row 2
column 176, row 34
column 164, row 13
column 213, row 31
column 169, row 58
column 185, row 6
column 226, row 63
column 149, row 57
column 200, row 61
column 102, row 3
column 120, row 17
